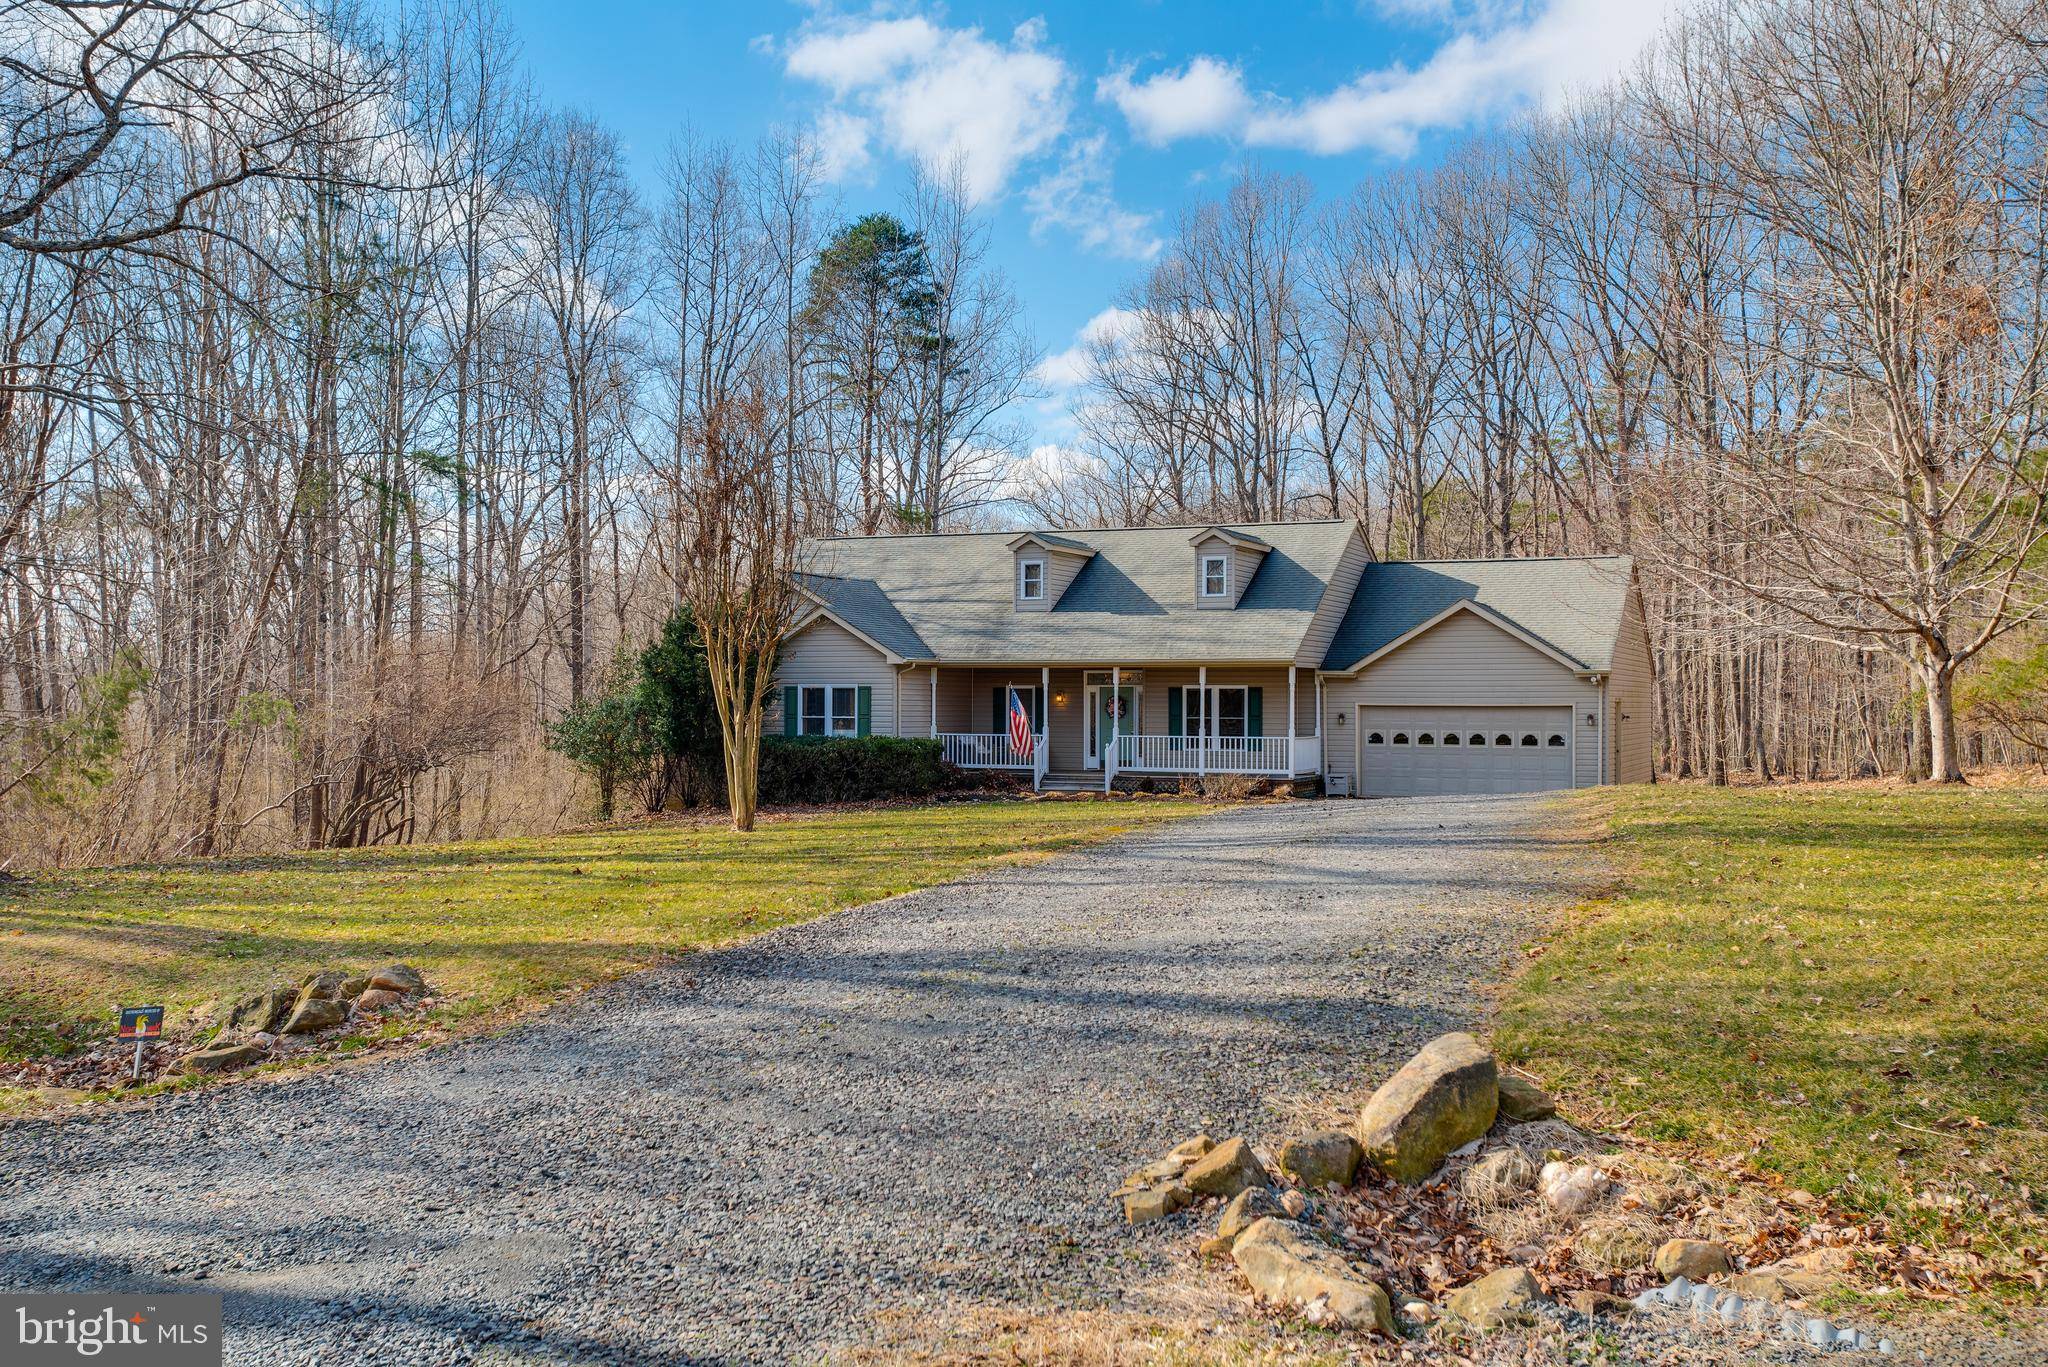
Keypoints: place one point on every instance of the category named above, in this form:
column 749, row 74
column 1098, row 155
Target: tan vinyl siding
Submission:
column 914, row 702
column 1462, row 661
column 1066, row 746
column 956, row 697
column 1322, row 628
column 1059, row 573
column 826, row 653
column 1632, row 697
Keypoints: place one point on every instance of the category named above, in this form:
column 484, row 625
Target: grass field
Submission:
column 493, row 925
column 1846, row 987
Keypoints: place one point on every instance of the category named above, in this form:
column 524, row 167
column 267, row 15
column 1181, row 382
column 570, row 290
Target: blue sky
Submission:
column 1084, row 127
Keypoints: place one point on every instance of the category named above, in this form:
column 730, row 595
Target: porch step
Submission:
column 1073, row 781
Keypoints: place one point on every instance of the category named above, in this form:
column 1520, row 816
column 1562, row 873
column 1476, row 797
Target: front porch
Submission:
column 1096, row 724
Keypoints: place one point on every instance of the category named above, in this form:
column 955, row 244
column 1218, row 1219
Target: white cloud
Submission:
column 1501, row 57
column 843, row 145
column 862, row 55
column 1069, row 369
column 937, row 94
column 1077, row 197
column 1204, row 98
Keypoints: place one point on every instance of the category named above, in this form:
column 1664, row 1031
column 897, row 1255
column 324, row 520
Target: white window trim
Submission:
column 1188, row 691
column 1222, row 562
column 852, row 718
column 1022, row 596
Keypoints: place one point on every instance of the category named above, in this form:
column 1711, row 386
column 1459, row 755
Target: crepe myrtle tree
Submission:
column 739, row 579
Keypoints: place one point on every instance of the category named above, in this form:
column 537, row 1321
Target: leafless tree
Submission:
column 740, row 581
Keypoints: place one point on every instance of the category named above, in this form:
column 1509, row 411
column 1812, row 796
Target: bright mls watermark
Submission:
column 162, row 1331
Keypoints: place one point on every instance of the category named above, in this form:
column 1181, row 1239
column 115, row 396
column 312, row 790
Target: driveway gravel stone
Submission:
column 746, row 1156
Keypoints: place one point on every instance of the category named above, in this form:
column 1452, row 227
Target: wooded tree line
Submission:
column 1767, row 314
column 357, row 410
column 354, row 409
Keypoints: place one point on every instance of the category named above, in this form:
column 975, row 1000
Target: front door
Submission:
column 1105, row 722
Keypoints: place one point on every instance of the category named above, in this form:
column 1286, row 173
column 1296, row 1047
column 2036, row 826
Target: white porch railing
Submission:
column 1211, row 755
column 1308, row 754
column 989, row 750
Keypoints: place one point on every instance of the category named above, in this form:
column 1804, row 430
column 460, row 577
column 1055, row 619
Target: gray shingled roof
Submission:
column 863, row 604
column 1573, row 604
column 1134, row 601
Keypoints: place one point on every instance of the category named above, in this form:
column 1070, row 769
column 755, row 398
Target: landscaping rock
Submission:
column 1217, row 1247
column 1442, row 1099
column 1508, row 1296
column 1523, row 1102
column 1314, row 1160
column 1226, row 1170
column 1246, row 1209
column 1287, row 1265
column 399, row 978
column 323, row 986
column 1188, row 1150
column 314, row 1015
column 220, row 1058
column 1569, row 1188
column 1156, row 1203
column 351, row 988
column 1152, row 1174
column 379, row 999
column 1498, row 1177
column 1294, row 1202
column 262, row 1013
column 1696, row 1259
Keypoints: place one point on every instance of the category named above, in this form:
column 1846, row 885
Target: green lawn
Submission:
column 1844, row 987
column 494, row 925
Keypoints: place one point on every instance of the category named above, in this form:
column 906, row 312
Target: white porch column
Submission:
column 1045, row 706
column 1292, row 673
column 935, row 702
column 1202, row 736
column 1116, row 724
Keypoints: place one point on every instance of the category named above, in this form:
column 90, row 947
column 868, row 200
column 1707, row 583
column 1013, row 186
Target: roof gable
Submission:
column 864, row 609
column 1568, row 607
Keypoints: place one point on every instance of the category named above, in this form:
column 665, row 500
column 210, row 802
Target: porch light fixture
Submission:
column 1340, row 719
column 1059, row 699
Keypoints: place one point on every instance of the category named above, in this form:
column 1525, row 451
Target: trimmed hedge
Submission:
column 837, row 769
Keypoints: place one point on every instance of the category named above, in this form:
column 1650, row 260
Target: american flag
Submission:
column 1020, row 727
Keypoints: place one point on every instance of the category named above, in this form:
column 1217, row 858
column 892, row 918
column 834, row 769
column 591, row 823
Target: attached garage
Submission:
column 1437, row 751
column 1502, row 676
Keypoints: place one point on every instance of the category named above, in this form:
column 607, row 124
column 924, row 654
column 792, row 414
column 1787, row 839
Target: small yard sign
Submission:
column 141, row 1024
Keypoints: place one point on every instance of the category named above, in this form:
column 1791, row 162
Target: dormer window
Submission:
column 1215, row 576
column 1030, row 580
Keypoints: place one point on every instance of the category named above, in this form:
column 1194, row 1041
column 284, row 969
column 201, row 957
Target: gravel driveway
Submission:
column 745, row 1157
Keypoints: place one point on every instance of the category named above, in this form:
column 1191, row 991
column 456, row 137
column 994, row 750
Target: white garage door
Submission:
column 1433, row 751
